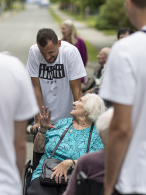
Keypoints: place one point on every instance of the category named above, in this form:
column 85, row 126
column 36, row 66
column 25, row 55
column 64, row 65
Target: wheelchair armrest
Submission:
column 81, row 176
column 27, row 162
column 87, row 186
column 28, row 168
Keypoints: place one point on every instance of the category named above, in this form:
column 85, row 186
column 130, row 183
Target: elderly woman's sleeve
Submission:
column 60, row 123
column 96, row 143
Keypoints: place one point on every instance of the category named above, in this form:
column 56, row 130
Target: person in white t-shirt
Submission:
column 56, row 69
column 17, row 105
column 124, row 84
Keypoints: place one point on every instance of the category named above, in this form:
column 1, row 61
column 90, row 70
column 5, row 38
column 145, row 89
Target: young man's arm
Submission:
column 38, row 93
column 76, row 89
column 118, row 140
column 20, row 144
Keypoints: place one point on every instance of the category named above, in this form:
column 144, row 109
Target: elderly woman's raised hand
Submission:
column 45, row 119
column 60, row 170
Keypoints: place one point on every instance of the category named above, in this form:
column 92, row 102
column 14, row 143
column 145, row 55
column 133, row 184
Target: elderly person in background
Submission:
column 93, row 82
column 93, row 164
column 86, row 111
column 69, row 34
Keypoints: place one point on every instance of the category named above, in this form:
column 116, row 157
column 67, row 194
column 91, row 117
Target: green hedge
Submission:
column 112, row 15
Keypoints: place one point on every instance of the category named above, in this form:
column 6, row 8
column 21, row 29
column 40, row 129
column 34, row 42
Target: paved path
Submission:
column 93, row 36
column 29, row 146
column 18, row 32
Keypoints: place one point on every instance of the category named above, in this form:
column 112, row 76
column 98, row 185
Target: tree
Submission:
column 82, row 4
column 94, row 4
column 112, row 15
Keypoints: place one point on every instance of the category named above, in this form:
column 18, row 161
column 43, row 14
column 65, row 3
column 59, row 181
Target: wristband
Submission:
column 41, row 131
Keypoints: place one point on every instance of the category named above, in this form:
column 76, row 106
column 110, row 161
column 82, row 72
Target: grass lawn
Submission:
column 56, row 18
column 109, row 32
column 92, row 51
column 91, row 22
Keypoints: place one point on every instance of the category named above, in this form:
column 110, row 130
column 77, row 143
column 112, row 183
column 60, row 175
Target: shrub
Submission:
column 112, row 15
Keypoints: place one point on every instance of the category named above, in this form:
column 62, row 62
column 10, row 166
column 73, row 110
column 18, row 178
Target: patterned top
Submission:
column 73, row 145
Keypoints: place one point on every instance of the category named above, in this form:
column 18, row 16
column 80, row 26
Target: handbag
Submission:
column 50, row 163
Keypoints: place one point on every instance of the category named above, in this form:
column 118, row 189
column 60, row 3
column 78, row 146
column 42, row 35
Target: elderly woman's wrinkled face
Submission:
column 79, row 107
column 65, row 31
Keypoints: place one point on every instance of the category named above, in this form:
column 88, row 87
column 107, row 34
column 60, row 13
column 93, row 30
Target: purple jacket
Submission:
column 83, row 51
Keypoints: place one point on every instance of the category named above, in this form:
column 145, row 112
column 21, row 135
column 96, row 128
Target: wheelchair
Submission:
column 29, row 168
column 84, row 186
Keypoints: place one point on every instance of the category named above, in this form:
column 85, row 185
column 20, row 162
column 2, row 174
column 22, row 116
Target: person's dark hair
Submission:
column 123, row 31
column 44, row 35
column 140, row 3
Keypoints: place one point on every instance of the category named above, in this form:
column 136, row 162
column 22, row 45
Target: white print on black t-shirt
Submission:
column 50, row 72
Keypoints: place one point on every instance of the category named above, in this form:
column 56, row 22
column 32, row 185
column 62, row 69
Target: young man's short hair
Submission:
column 44, row 35
column 140, row 3
column 123, row 31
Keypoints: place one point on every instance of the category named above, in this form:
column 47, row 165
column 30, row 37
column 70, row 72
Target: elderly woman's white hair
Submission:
column 69, row 24
column 94, row 106
column 103, row 123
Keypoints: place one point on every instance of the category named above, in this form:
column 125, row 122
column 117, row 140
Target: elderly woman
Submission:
column 92, row 164
column 69, row 34
column 86, row 111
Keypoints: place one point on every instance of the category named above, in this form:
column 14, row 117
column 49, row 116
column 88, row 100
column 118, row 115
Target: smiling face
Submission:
column 66, row 32
column 50, row 51
column 78, row 110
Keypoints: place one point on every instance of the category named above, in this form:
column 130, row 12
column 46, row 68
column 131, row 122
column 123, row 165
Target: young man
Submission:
column 124, row 84
column 56, row 69
column 17, row 105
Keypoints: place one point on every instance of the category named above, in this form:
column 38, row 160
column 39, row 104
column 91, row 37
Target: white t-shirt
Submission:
column 124, row 82
column 54, row 78
column 17, row 103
